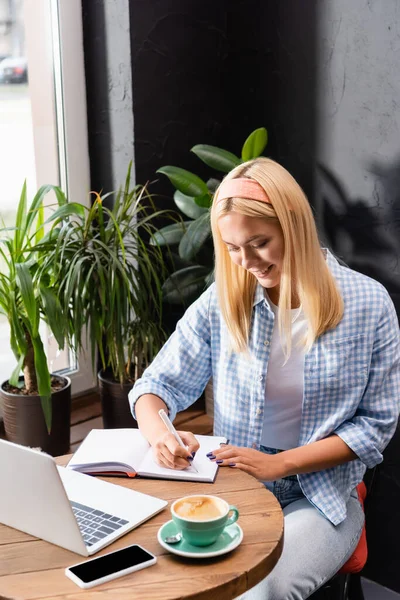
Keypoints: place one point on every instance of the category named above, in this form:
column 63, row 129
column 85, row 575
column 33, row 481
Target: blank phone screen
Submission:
column 111, row 563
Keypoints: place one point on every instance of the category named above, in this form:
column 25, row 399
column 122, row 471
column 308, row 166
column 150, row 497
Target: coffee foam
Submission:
column 199, row 508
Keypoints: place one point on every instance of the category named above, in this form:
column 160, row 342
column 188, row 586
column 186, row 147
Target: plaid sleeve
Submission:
column 182, row 368
column 374, row 422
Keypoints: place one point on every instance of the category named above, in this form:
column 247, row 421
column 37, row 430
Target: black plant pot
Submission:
column 24, row 421
column 114, row 402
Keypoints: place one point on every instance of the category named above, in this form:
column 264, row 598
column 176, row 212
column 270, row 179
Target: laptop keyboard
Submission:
column 95, row 524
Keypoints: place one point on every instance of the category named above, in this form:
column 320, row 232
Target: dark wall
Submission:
column 357, row 196
column 212, row 72
column 95, row 52
column 382, row 512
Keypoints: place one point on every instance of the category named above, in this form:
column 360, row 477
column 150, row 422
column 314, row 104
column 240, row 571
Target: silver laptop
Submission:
column 69, row 509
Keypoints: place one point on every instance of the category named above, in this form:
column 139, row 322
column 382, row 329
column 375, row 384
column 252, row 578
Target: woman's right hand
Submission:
column 168, row 453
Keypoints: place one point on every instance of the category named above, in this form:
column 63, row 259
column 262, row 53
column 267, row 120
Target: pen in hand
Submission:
column 165, row 419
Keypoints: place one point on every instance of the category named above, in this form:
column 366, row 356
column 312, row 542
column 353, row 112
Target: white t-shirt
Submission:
column 284, row 386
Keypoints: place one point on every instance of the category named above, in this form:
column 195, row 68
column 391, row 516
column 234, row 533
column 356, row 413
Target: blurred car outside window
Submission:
column 14, row 70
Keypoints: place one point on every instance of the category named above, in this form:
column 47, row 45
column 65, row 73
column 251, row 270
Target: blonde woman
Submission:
column 305, row 359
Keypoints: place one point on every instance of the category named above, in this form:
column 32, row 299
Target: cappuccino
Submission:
column 201, row 519
column 200, row 508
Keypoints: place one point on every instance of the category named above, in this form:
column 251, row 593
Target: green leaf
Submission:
column 68, row 210
column 188, row 205
column 14, row 379
column 186, row 182
column 18, row 339
column 49, row 237
column 20, row 220
column 216, row 158
column 28, row 297
column 255, row 144
column 197, row 233
column 35, row 206
column 39, row 225
column 61, row 198
column 212, row 185
column 54, row 314
column 171, row 234
column 204, row 201
column 43, row 380
column 185, row 285
column 98, row 205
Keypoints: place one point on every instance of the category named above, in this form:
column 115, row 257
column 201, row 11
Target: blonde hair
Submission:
column 305, row 273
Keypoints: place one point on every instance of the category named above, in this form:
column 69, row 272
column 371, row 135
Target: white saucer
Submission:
column 229, row 539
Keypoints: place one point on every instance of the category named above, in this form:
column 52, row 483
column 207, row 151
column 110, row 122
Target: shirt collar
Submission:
column 258, row 294
column 332, row 262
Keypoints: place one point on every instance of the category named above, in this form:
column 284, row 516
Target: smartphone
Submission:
column 110, row 566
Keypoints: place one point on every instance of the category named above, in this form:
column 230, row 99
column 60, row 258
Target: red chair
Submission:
column 359, row 557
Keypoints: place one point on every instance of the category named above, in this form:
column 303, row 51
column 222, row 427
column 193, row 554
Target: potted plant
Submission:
column 193, row 196
column 111, row 281
column 36, row 405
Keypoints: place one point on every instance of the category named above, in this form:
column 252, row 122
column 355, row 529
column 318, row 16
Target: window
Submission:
column 43, row 130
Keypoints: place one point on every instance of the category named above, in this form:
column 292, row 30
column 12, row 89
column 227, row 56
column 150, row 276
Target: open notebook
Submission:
column 127, row 452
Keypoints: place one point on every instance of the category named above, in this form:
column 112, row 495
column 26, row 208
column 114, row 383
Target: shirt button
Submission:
column 266, row 343
column 260, row 377
column 259, row 411
column 254, row 445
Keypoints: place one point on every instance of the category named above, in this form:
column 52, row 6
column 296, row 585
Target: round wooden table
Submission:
column 34, row 569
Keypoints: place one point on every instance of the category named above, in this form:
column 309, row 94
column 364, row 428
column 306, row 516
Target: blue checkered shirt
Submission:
column 351, row 380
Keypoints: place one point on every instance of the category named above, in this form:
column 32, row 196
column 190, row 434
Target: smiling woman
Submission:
column 256, row 245
column 287, row 260
column 300, row 349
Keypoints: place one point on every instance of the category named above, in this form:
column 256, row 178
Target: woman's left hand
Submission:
column 265, row 467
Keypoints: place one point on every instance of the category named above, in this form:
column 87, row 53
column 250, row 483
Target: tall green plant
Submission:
column 193, row 197
column 110, row 280
column 29, row 293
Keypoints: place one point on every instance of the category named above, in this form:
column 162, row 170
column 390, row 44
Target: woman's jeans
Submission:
column 313, row 549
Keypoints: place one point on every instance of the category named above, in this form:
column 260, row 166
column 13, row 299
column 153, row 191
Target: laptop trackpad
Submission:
column 108, row 497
